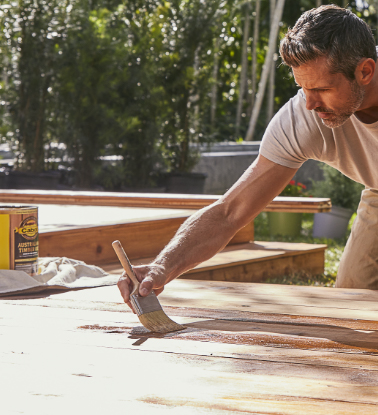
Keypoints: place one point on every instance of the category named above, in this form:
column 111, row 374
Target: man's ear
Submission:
column 364, row 72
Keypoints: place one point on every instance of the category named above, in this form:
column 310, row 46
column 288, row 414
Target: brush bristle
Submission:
column 159, row 322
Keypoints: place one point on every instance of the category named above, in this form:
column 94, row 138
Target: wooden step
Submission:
column 253, row 262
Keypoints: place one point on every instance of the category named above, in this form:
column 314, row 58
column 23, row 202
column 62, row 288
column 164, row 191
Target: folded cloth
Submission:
column 55, row 273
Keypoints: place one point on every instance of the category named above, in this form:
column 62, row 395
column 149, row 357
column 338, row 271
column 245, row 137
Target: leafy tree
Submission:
column 28, row 38
column 187, row 68
column 142, row 80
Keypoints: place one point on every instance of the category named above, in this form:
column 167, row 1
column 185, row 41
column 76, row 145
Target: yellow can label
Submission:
column 4, row 242
column 19, row 241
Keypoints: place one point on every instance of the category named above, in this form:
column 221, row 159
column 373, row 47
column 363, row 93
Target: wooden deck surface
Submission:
column 247, row 348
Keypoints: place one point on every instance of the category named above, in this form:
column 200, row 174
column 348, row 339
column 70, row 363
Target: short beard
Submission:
column 351, row 106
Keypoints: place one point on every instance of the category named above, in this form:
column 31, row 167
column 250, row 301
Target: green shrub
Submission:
column 342, row 191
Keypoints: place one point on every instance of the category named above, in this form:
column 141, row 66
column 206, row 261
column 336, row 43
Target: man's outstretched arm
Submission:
column 210, row 229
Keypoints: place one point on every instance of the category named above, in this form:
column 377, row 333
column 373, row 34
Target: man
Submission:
column 333, row 118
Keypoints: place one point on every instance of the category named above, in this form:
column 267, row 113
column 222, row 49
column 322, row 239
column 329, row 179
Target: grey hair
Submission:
column 330, row 31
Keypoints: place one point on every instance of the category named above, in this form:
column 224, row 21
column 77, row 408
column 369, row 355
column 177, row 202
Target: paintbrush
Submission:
column 148, row 309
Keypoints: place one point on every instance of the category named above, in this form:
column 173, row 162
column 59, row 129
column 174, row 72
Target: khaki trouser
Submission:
column 359, row 263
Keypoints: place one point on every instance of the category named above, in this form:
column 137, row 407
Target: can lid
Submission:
column 5, row 209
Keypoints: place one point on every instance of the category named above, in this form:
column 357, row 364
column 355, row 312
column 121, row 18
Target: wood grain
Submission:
column 141, row 239
column 257, row 261
column 93, row 245
column 85, row 350
column 253, row 262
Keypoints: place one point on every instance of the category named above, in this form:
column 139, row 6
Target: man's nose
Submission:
column 312, row 101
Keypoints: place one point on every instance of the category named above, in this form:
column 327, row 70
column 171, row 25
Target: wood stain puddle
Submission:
column 294, row 332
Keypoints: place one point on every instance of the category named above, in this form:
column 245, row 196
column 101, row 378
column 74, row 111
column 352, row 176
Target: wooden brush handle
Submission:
column 121, row 254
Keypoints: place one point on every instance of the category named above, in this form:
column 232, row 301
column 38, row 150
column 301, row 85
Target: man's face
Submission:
column 332, row 96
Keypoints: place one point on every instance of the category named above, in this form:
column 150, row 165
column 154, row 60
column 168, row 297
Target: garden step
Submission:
column 253, row 262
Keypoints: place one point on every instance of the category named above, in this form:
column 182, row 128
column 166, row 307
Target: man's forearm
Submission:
column 209, row 230
column 199, row 238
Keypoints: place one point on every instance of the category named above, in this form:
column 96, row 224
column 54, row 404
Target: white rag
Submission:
column 55, row 273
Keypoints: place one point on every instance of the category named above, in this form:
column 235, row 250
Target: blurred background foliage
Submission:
column 88, row 81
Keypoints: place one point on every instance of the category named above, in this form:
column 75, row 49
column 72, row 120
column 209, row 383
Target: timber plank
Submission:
column 257, row 251
column 193, row 383
column 100, row 326
column 272, row 299
column 280, row 203
column 56, row 218
column 238, row 299
column 93, row 354
column 93, row 245
column 295, row 335
column 145, row 238
column 253, row 262
column 327, row 336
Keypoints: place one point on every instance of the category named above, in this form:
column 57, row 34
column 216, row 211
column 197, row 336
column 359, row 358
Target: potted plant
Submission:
column 181, row 158
column 345, row 195
column 287, row 223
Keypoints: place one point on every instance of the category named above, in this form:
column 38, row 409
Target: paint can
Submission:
column 19, row 238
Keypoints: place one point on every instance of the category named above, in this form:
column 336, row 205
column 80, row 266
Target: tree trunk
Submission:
column 214, row 87
column 244, row 68
column 194, row 96
column 254, row 57
column 318, row 3
column 190, row 120
column 270, row 104
column 265, row 69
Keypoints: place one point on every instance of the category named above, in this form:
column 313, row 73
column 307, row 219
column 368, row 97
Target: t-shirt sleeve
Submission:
column 293, row 136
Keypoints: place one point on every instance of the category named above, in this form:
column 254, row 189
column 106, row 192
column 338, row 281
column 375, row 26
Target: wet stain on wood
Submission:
column 295, row 333
column 236, row 359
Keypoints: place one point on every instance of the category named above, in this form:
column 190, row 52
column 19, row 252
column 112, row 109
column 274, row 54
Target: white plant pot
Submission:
column 332, row 224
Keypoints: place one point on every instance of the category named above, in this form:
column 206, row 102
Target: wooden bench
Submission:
column 145, row 223
column 154, row 200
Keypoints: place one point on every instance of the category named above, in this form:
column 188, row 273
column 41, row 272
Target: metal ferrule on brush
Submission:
column 148, row 309
column 144, row 305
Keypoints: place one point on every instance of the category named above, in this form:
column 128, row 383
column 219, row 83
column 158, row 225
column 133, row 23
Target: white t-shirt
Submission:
column 296, row 134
